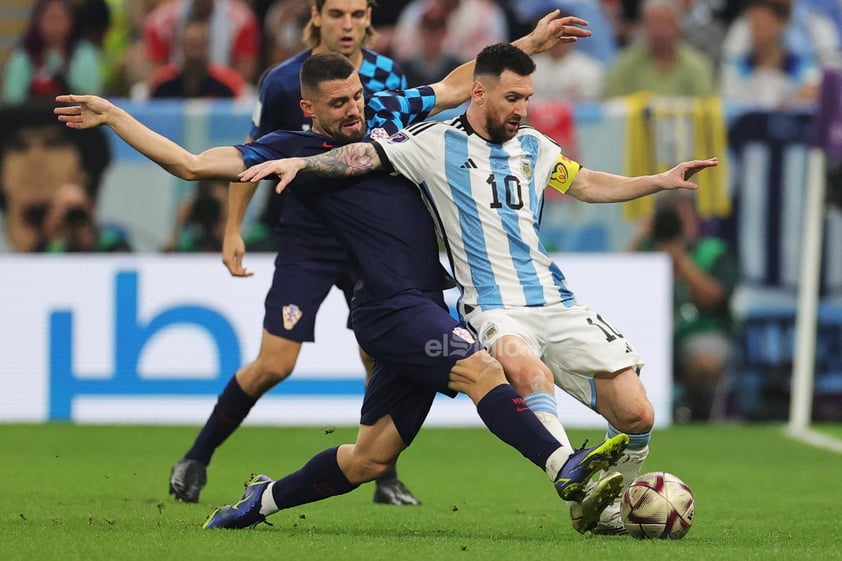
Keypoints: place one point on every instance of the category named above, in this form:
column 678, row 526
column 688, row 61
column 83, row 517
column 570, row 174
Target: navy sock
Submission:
column 231, row 408
column 319, row 479
column 505, row 414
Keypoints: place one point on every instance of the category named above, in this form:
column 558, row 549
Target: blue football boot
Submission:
column 571, row 481
column 245, row 513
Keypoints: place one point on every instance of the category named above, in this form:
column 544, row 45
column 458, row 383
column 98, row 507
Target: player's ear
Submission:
column 477, row 92
column 306, row 108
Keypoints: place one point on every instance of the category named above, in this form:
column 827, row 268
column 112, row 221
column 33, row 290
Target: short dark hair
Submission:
column 92, row 144
column 323, row 67
column 495, row 59
column 312, row 35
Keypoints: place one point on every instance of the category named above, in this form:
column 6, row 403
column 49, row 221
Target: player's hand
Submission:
column 551, row 30
column 678, row 177
column 233, row 250
column 87, row 112
column 285, row 170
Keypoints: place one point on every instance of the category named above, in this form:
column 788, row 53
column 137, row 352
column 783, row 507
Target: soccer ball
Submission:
column 658, row 505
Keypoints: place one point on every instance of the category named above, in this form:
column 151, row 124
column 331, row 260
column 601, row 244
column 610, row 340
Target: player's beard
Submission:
column 497, row 131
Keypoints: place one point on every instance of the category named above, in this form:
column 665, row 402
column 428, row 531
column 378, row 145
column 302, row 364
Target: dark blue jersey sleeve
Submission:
column 282, row 144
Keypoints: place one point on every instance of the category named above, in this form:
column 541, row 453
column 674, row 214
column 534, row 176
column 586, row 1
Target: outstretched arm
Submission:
column 352, row 159
column 601, row 187
column 89, row 111
column 455, row 88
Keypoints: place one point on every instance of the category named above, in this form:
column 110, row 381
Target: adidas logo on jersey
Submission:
column 468, row 164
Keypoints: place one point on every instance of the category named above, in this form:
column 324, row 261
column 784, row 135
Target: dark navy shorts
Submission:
column 306, row 268
column 415, row 342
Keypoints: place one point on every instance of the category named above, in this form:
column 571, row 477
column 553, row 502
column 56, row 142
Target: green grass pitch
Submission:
column 100, row 493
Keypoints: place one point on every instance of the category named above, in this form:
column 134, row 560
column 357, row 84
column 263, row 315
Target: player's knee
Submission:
column 363, row 468
column 639, row 419
column 480, row 372
column 268, row 371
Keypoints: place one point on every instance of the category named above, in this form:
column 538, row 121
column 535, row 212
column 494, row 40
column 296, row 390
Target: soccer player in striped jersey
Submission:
column 309, row 262
column 482, row 175
column 399, row 315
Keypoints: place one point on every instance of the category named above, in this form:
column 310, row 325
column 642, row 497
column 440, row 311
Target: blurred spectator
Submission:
column 70, row 227
column 94, row 19
column 200, row 222
column 704, row 26
column 829, row 8
column 51, row 57
column 602, row 45
column 38, row 156
column 567, row 74
column 431, row 62
column 123, row 52
column 384, row 19
column 234, row 33
column 810, row 33
column 769, row 75
column 471, row 26
column 705, row 274
column 659, row 61
column 282, row 30
column 195, row 76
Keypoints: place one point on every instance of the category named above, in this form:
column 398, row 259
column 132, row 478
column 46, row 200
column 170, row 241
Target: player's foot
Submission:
column 187, row 479
column 393, row 492
column 571, row 481
column 585, row 515
column 245, row 513
column 610, row 522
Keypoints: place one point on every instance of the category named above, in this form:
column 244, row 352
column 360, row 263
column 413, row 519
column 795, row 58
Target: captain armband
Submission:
column 563, row 174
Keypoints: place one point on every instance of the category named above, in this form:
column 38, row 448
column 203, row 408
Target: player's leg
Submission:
column 329, row 473
column 274, row 363
column 533, row 380
column 595, row 364
column 622, row 400
column 393, row 411
column 299, row 286
column 388, row 489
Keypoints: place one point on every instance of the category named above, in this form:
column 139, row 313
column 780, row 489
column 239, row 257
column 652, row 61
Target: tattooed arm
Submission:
column 352, row 159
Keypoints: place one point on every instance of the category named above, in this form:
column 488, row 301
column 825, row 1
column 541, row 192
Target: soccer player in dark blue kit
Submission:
column 309, row 261
column 398, row 310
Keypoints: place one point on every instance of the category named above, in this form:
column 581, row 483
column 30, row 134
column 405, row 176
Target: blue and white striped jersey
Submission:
column 486, row 200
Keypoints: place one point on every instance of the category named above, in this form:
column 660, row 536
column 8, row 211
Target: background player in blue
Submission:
column 483, row 176
column 309, row 261
column 398, row 309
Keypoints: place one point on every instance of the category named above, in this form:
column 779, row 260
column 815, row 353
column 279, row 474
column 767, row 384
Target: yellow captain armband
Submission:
column 564, row 172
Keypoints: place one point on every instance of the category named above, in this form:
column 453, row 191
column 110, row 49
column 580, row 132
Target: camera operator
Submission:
column 38, row 156
column 69, row 226
column 200, row 222
column 705, row 274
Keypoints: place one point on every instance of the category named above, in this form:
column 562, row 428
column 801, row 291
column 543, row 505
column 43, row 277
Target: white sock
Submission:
column 543, row 404
column 267, row 501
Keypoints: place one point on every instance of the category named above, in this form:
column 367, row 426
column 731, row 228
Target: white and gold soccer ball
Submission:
column 658, row 505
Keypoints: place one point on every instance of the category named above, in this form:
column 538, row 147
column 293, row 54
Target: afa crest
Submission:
column 526, row 168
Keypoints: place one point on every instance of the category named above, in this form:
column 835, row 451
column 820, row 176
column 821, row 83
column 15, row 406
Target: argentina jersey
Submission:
column 486, row 199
